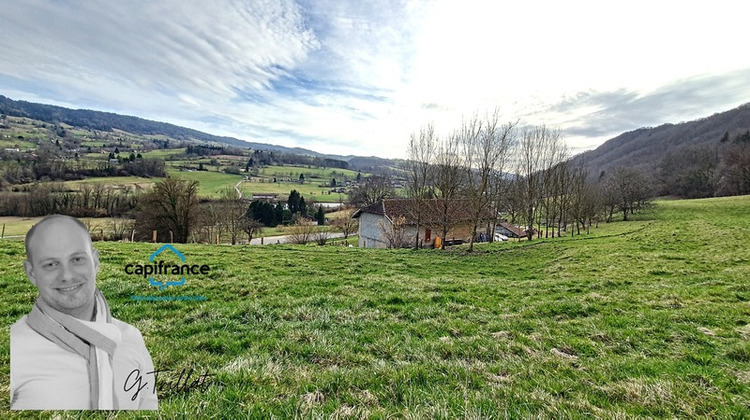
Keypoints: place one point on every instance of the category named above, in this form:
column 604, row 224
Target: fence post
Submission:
column 153, row 236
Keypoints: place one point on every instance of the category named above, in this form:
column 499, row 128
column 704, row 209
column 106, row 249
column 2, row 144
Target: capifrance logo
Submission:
column 156, row 271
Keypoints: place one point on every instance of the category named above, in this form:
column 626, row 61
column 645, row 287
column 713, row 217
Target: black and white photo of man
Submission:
column 69, row 353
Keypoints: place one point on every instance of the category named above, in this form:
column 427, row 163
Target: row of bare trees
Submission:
column 82, row 200
column 487, row 168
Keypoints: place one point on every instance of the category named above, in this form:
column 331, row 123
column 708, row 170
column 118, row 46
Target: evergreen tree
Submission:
column 359, row 176
column 333, row 182
column 301, row 177
column 262, row 212
column 320, row 216
column 278, row 213
column 293, row 202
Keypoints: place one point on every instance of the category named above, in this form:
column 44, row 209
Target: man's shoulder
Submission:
column 128, row 331
column 25, row 342
column 20, row 324
column 21, row 330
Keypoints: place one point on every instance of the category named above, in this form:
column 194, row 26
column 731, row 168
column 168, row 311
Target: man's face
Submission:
column 63, row 266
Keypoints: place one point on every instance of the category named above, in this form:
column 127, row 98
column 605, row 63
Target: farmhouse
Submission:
column 510, row 230
column 270, row 197
column 393, row 223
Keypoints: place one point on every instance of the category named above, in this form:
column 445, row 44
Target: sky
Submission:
column 358, row 77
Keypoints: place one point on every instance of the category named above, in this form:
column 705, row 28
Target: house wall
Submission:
column 370, row 235
column 458, row 232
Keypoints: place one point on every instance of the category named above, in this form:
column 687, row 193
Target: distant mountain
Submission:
column 107, row 121
column 645, row 148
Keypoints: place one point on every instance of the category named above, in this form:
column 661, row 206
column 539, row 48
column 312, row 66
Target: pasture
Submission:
column 309, row 190
column 647, row 318
column 322, row 174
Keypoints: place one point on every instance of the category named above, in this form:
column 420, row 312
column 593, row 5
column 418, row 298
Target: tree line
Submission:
column 48, row 167
column 718, row 169
column 175, row 212
column 84, row 200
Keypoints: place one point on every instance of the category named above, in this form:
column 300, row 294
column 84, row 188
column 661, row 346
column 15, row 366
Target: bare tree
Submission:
column 321, row 237
column 734, row 171
column 532, row 161
column 120, row 227
column 233, row 210
column 301, row 232
column 417, row 168
column 511, row 199
column 486, row 146
column 346, row 224
column 442, row 212
column 581, row 200
column 632, row 190
column 394, row 232
column 251, row 227
column 171, row 206
column 371, row 190
column 210, row 222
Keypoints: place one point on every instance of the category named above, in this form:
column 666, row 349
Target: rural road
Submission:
column 272, row 240
column 236, row 188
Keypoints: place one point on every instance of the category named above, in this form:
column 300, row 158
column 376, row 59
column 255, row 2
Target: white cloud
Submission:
column 357, row 77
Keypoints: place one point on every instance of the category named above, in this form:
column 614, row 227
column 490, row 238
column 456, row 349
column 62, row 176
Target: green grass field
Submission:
column 211, row 184
column 16, row 227
column 293, row 172
column 648, row 318
column 309, row 190
column 14, row 142
column 162, row 153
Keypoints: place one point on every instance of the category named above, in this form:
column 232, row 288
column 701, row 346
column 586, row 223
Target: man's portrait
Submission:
column 69, row 352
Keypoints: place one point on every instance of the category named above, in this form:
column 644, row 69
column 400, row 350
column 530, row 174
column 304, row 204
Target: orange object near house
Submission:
column 438, row 242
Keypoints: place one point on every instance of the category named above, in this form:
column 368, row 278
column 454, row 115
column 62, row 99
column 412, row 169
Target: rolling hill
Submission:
column 107, row 121
column 645, row 148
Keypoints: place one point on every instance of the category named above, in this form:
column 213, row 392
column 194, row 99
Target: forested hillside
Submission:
column 647, row 147
column 701, row 158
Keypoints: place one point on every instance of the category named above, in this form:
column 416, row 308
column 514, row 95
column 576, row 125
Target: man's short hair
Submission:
column 52, row 217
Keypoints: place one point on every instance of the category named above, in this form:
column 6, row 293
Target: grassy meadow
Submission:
column 293, row 172
column 647, row 318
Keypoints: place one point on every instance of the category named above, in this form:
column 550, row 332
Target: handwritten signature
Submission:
column 136, row 381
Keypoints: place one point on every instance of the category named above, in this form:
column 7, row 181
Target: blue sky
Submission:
column 354, row 77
